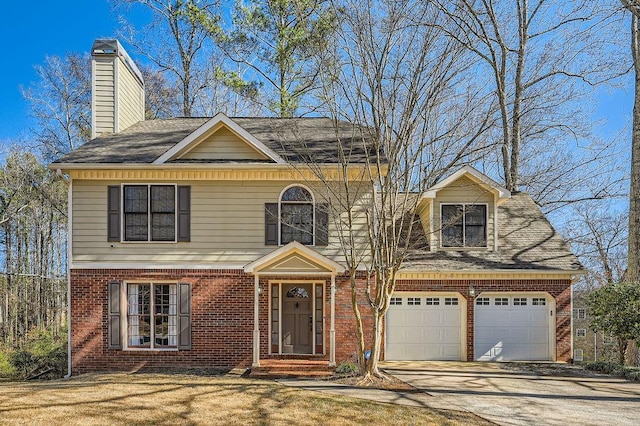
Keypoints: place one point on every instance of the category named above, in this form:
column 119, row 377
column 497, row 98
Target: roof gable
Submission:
column 202, row 144
column 294, row 258
column 501, row 193
column 222, row 144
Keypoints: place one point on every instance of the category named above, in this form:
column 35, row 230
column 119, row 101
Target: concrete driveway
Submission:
column 520, row 397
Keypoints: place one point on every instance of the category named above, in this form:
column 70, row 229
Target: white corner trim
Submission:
column 219, row 118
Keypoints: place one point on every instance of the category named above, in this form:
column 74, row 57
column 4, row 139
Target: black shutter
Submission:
column 184, row 213
column 322, row 224
column 271, row 224
column 184, row 316
column 113, row 213
column 115, row 335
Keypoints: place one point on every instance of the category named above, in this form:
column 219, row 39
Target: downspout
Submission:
column 69, row 183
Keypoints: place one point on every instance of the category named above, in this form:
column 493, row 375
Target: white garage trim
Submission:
column 482, row 352
column 392, row 353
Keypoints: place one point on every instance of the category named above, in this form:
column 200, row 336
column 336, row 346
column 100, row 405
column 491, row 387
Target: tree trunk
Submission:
column 634, row 192
column 358, row 315
column 622, row 348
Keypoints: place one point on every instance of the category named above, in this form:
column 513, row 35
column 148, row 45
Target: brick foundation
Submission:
column 222, row 317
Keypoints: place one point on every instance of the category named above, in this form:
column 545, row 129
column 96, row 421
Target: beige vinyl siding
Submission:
column 103, row 96
column 227, row 225
column 464, row 191
column 130, row 97
column 223, row 145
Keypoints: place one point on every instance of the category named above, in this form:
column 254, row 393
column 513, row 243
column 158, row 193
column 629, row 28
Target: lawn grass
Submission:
column 158, row 399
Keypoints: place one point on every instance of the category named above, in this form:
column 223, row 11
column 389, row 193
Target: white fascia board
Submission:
column 501, row 191
column 219, row 118
column 294, row 247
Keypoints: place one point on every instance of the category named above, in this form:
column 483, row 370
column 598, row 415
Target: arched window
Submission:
column 296, row 216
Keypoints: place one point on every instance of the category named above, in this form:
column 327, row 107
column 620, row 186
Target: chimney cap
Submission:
column 112, row 47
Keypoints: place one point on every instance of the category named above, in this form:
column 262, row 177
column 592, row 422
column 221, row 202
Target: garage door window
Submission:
column 538, row 301
column 482, row 301
column 451, row 301
column 432, row 301
column 501, row 301
column 413, row 301
column 396, row 301
column 520, row 301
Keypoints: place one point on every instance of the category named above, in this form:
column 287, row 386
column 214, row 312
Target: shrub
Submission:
column 631, row 373
column 347, row 368
column 43, row 352
column 602, row 367
column 6, row 368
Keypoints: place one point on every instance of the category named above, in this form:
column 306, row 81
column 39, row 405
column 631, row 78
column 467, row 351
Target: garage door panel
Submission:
column 423, row 332
column 511, row 333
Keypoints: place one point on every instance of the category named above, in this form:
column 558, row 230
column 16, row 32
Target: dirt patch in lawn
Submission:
column 160, row 399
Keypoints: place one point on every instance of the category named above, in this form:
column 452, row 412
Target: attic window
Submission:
column 464, row 225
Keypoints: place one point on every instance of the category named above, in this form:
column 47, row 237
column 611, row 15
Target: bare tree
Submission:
column 399, row 81
column 60, row 103
column 543, row 57
column 633, row 272
column 33, row 244
column 175, row 45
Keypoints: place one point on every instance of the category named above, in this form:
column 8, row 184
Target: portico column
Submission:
column 332, row 332
column 256, row 328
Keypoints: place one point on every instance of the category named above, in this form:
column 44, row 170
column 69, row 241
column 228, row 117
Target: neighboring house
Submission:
column 588, row 345
column 206, row 242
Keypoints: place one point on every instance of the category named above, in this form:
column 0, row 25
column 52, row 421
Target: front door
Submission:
column 297, row 318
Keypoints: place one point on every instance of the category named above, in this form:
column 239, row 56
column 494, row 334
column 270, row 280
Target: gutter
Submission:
column 67, row 180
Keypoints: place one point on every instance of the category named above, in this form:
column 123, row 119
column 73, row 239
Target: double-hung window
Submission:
column 149, row 212
column 152, row 317
column 464, row 225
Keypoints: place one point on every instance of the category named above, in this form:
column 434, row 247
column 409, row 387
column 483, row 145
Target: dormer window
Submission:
column 464, row 225
column 296, row 215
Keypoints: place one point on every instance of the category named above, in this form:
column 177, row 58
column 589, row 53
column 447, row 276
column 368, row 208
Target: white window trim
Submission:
column 581, row 313
column 313, row 212
column 486, row 226
column 581, row 332
column 175, row 215
column 125, row 318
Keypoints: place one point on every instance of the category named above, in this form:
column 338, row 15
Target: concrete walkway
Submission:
column 506, row 397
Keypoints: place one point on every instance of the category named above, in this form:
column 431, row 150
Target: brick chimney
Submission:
column 117, row 89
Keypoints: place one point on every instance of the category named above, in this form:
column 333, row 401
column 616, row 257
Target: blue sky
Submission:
column 32, row 30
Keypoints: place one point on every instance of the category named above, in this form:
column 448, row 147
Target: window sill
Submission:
column 150, row 349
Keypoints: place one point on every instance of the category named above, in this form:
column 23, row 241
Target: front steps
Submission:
column 291, row 368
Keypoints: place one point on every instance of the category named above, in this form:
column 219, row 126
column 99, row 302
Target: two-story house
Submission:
column 206, row 242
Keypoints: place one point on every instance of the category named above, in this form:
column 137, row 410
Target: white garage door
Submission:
column 512, row 328
column 424, row 327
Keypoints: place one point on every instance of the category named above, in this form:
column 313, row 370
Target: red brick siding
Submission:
column 222, row 316
column 221, row 320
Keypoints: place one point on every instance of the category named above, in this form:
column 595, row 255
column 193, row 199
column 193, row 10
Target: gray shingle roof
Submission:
column 294, row 139
column 526, row 241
